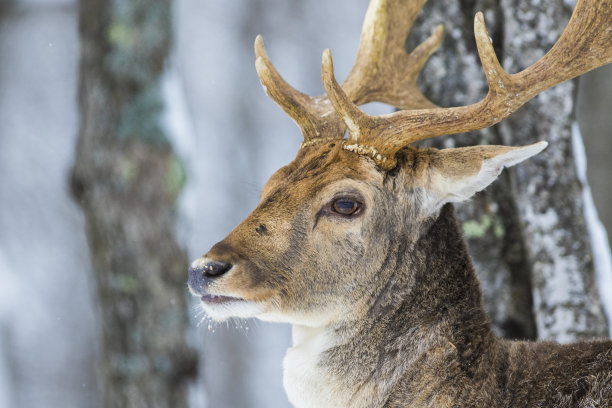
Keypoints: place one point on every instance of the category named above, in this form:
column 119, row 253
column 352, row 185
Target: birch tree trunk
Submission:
column 527, row 232
column 126, row 179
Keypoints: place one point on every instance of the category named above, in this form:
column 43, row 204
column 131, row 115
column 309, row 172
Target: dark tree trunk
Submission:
column 126, row 178
column 527, row 232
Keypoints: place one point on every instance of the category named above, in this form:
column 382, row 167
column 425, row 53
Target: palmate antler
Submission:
column 586, row 43
column 382, row 72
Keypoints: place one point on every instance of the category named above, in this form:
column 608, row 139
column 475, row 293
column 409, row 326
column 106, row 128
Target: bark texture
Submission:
column 527, row 232
column 126, row 179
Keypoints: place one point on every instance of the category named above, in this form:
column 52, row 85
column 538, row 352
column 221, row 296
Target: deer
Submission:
column 355, row 242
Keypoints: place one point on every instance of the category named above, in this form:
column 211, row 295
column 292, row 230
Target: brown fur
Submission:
column 386, row 306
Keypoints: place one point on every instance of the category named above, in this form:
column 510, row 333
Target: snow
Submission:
column 599, row 239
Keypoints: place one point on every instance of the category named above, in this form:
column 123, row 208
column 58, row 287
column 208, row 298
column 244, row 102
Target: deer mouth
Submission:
column 218, row 299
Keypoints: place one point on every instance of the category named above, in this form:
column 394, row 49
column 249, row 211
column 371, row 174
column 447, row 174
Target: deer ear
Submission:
column 457, row 174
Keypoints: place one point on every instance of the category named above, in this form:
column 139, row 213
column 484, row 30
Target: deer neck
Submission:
column 427, row 313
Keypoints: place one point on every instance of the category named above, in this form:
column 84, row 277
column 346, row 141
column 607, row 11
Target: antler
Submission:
column 586, row 43
column 382, row 72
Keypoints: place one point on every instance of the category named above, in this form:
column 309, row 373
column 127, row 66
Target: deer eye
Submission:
column 346, row 206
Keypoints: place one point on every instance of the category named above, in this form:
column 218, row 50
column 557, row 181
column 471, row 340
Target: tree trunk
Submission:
column 126, row 179
column 527, row 233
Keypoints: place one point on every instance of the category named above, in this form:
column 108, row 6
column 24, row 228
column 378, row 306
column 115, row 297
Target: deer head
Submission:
column 317, row 247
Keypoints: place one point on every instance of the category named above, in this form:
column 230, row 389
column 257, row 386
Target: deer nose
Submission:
column 200, row 275
column 209, row 270
column 214, row 269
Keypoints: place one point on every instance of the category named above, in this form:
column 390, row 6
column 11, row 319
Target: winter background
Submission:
column 232, row 138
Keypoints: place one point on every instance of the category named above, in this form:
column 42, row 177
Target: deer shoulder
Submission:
column 355, row 242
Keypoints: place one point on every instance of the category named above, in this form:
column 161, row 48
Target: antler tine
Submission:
column 359, row 124
column 584, row 45
column 313, row 115
column 382, row 72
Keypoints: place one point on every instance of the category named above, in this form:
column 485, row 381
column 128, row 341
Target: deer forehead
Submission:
column 317, row 173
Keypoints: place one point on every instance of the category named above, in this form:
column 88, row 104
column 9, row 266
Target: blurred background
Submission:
column 135, row 135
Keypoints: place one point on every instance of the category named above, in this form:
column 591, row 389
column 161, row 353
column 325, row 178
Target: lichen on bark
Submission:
column 537, row 275
column 566, row 303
